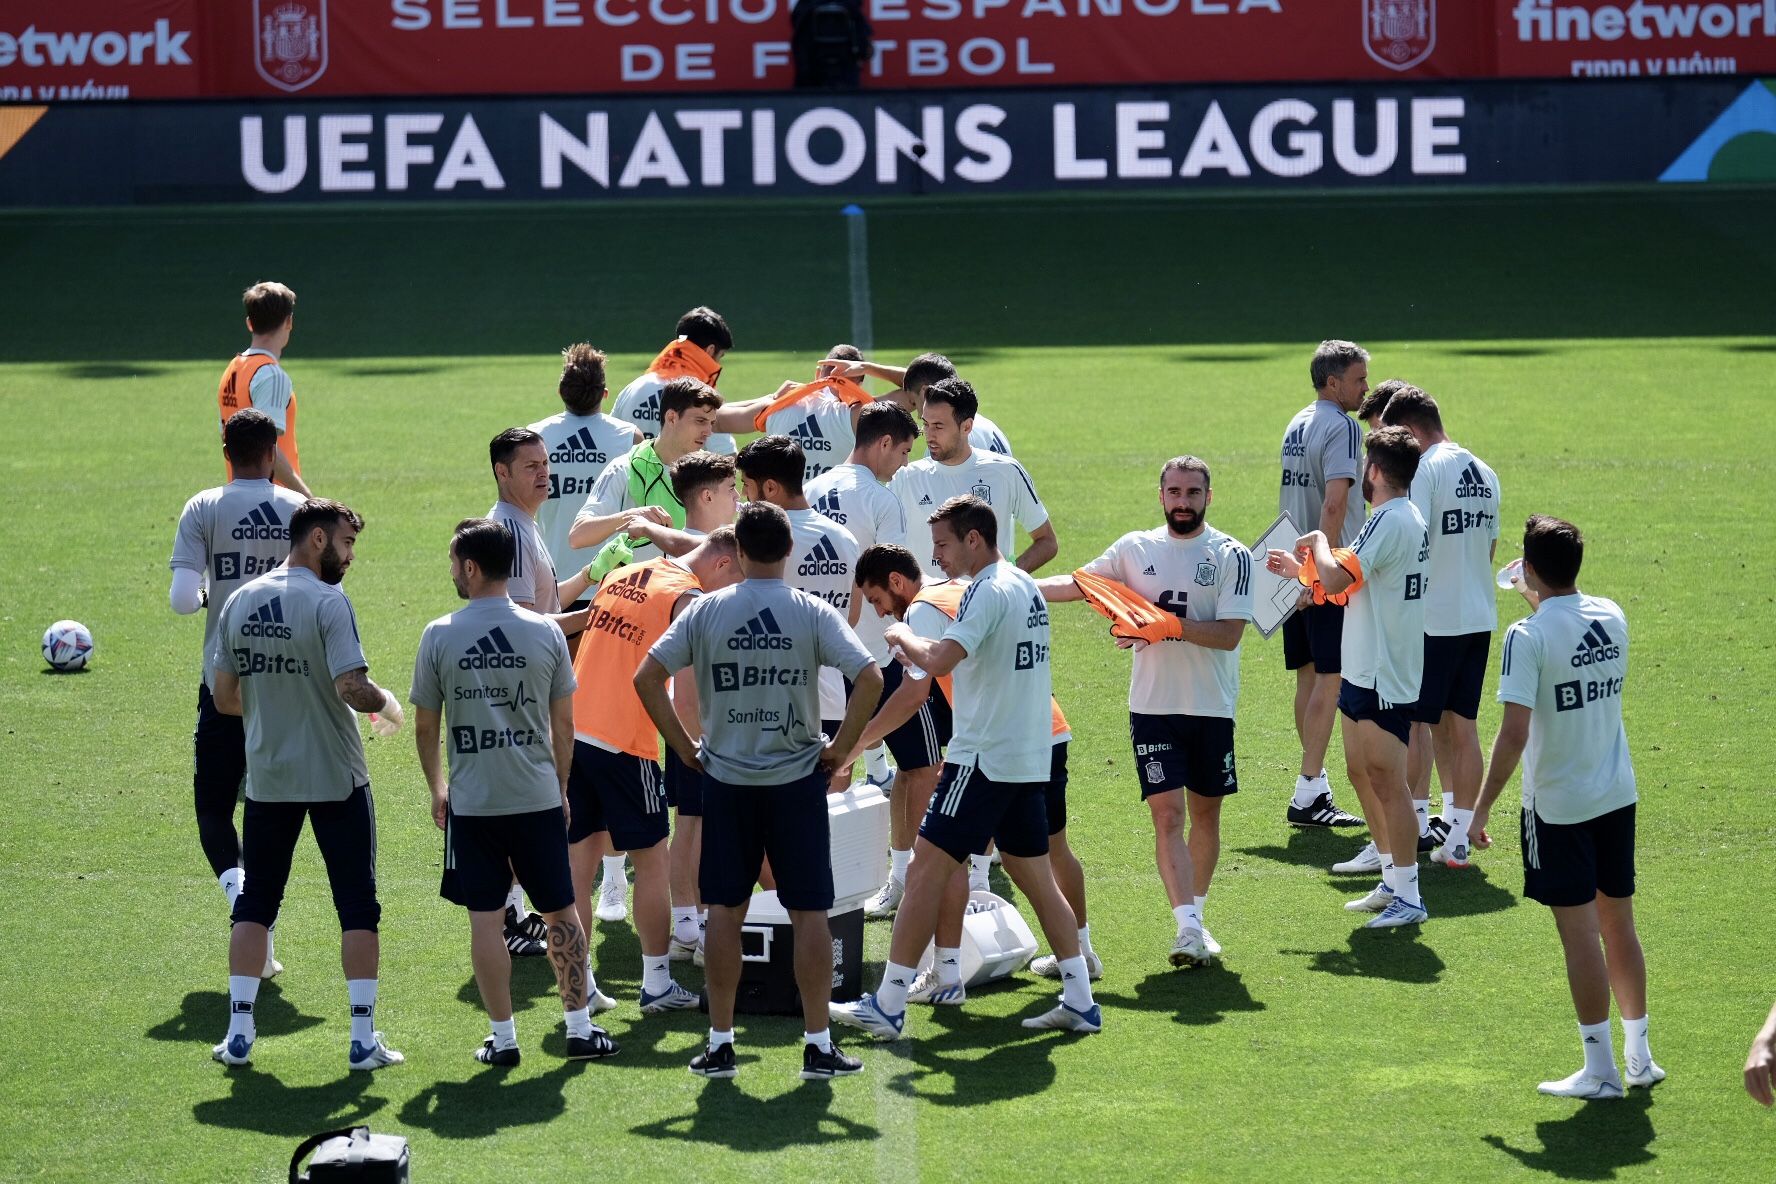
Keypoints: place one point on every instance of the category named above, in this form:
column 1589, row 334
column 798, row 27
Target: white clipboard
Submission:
column 1273, row 597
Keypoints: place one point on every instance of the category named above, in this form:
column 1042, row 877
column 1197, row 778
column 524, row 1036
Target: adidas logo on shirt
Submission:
column 267, row 621
column 810, row 437
column 1596, row 646
column 823, row 560
column 760, row 633
column 632, row 586
column 579, row 449
column 1471, row 483
column 1295, row 443
column 262, row 523
column 829, row 506
column 647, row 413
column 1148, row 570
column 926, row 500
column 492, row 652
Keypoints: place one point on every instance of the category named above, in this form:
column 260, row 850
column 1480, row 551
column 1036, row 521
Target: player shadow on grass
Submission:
column 1202, row 996
column 203, row 1017
column 533, row 979
column 258, row 1101
column 1307, row 847
column 728, row 1117
column 1016, row 1062
column 1592, row 1144
column 487, row 1102
column 1395, row 954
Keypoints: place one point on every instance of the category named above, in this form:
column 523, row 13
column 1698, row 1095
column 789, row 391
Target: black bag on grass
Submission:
column 352, row 1154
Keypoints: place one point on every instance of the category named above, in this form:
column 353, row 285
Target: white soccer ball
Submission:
column 67, row 646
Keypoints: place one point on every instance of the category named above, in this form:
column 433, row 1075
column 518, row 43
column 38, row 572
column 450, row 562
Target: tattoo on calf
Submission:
column 567, row 952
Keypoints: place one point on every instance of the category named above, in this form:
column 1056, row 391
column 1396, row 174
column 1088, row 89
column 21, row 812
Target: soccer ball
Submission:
column 67, row 646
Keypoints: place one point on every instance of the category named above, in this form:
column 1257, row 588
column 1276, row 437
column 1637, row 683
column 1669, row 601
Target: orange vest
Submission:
column 845, row 390
column 235, row 392
column 630, row 611
column 947, row 599
column 684, row 359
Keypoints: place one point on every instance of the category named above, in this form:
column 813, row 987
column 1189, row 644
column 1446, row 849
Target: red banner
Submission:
column 55, row 50
column 1634, row 38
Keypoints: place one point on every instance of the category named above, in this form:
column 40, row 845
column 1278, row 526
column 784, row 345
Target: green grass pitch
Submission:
column 1607, row 354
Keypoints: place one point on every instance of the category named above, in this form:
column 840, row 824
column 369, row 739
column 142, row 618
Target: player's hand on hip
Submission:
column 440, row 805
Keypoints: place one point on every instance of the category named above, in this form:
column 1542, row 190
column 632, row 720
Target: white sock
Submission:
column 821, row 1039
column 505, row 1033
column 947, row 962
column 702, row 922
column 579, row 1022
column 1390, row 874
column 1076, row 988
column 271, row 943
column 1634, row 1041
column 1188, row 916
column 515, row 900
column 243, row 989
column 717, row 1039
column 684, row 925
column 1307, row 790
column 362, row 992
column 655, row 977
column 1406, row 884
column 591, row 979
column 1459, row 822
column 1600, row 1054
column 231, row 881
column 613, row 868
column 875, row 763
column 1085, row 942
column 892, row 994
column 980, row 865
column 898, row 861
column 1202, row 905
column 1422, row 808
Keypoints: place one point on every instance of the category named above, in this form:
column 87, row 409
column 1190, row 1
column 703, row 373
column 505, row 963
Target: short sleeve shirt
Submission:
column 1322, row 444
column 1206, row 578
column 851, row 496
column 638, row 404
column 287, row 636
column 985, row 434
column 1000, row 481
column 1458, row 496
column 1002, row 710
column 1384, row 621
column 493, row 669
column 1568, row 663
column 229, row 535
column 533, row 579
column 580, row 448
column 822, row 425
column 755, row 649
column 823, row 563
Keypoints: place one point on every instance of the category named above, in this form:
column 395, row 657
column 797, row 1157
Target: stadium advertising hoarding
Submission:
column 1016, row 141
column 69, row 50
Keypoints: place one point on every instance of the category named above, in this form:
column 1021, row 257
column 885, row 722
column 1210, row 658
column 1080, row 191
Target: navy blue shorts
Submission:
column 219, row 750
column 345, row 831
column 919, row 742
column 969, row 810
column 742, row 824
column 1360, row 703
column 1054, row 796
column 1315, row 634
column 615, row 792
column 1568, row 864
column 482, row 852
column 684, row 789
column 1193, row 752
column 1454, row 673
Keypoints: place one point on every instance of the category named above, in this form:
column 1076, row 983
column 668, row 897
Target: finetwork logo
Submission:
column 760, row 633
column 823, row 560
column 579, row 449
column 261, row 523
column 810, row 437
column 1596, row 646
column 1472, row 483
column 492, row 652
column 828, row 504
column 267, row 621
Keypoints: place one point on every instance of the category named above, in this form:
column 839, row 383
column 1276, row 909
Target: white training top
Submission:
column 851, row 496
column 1003, row 707
column 822, row 425
column 639, row 404
column 823, row 563
column 1384, row 621
column 1000, row 481
column 1206, row 578
column 1568, row 664
column 271, row 390
column 580, row 448
column 984, row 433
column 1458, row 497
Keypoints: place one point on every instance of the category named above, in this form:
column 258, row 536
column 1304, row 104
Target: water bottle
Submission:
column 1510, row 573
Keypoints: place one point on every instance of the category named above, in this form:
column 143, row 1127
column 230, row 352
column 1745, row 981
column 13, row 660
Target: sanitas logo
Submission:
column 1595, row 647
column 262, row 523
column 760, row 633
column 267, row 621
column 578, row 449
column 492, row 652
column 823, row 560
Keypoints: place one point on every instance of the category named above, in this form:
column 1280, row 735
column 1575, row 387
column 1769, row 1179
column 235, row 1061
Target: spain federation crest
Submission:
column 1205, row 574
column 983, row 491
column 1399, row 33
column 291, row 49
